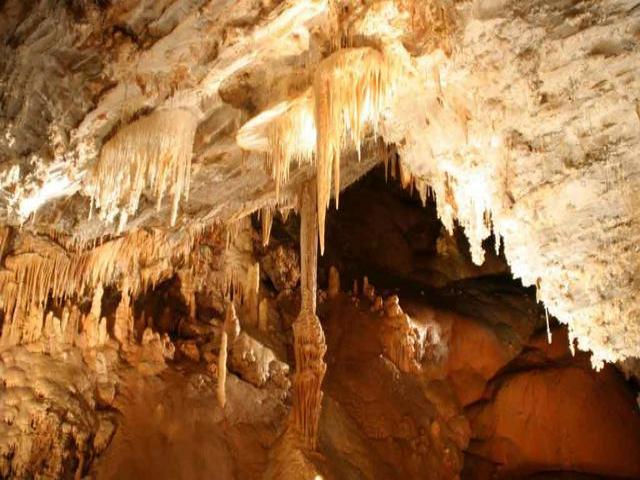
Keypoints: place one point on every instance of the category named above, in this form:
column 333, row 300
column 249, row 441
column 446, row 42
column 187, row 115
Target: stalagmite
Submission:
column 401, row 341
column 69, row 324
column 188, row 291
column 33, row 325
column 5, row 234
column 123, row 324
column 75, row 317
column 263, row 315
column 89, row 335
column 368, row 290
column 230, row 331
column 103, row 334
column 222, row 371
column 334, row 282
column 378, row 304
column 309, row 342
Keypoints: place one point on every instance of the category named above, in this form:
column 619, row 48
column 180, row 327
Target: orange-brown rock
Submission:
column 188, row 349
column 564, row 418
column 465, row 350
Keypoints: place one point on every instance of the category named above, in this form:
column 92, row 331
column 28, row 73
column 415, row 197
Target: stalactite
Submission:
column 154, row 151
column 38, row 269
column 546, row 316
column 309, row 342
column 284, row 213
column 422, row 188
column 96, row 302
column 291, row 137
column 252, row 290
column 266, row 218
column 351, row 89
column 405, row 175
column 231, row 322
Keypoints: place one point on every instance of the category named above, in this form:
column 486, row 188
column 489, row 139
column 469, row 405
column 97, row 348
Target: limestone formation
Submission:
column 309, row 341
column 334, row 282
column 169, row 169
column 222, row 370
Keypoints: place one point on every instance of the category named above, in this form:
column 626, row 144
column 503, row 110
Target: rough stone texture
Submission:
column 256, row 363
column 555, row 415
column 282, row 266
column 178, row 413
column 532, row 120
column 551, row 152
column 49, row 425
column 521, row 118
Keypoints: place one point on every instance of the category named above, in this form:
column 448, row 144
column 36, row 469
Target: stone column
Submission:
column 309, row 342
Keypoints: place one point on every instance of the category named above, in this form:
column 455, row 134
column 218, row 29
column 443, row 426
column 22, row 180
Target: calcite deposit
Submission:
column 189, row 189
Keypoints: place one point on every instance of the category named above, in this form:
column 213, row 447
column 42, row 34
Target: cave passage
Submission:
column 444, row 366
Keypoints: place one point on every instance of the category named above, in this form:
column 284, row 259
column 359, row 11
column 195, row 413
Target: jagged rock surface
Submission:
column 138, row 136
column 536, row 101
column 50, row 426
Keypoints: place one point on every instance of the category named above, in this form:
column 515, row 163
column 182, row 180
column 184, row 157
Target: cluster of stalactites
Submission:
column 153, row 152
column 350, row 91
column 352, row 88
column 224, row 263
column 71, row 328
column 38, row 269
column 291, row 137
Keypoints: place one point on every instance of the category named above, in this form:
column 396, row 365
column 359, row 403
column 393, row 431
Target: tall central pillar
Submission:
column 309, row 342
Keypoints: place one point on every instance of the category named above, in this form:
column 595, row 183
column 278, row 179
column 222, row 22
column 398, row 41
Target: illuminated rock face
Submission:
column 543, row 162
column 139, row 140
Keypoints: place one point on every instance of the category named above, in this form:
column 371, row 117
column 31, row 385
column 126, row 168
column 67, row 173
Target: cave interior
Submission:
column 319, row 239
